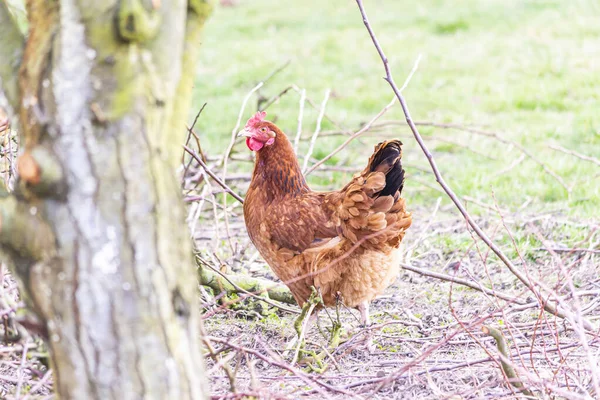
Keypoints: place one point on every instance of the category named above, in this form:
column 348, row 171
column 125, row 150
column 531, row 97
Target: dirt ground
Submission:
column 427, row 331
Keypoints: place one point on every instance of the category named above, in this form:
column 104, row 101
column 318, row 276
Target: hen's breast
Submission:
column 355, row 275
column 291, row 267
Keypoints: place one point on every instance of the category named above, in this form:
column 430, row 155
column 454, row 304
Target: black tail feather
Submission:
column 388, row 160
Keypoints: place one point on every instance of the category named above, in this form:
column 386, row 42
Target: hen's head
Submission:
column 258, row 132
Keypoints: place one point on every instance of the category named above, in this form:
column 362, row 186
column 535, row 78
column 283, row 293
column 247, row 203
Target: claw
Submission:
column 310, row 358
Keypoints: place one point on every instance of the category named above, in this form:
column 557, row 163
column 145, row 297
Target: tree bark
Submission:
column 95, row 229
column 11, row 50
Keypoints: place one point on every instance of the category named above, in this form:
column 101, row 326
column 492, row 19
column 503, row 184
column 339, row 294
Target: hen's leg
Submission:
column 301, row 323
column 336, row 325
column 364, row 313
column 366, row 322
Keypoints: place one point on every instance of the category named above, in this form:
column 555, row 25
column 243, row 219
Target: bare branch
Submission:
column 547, row 305
column 261, row 289
column 269, row 102
column 496, row 136
column 464, row 282
column 508, row 369
column 212, row 175
column 317, row 108
column 351, row 138
column 236, row 128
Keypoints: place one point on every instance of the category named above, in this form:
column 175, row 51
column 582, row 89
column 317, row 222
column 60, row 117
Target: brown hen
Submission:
column 344, row 243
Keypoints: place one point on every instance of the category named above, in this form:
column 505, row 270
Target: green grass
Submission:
column 528, row 69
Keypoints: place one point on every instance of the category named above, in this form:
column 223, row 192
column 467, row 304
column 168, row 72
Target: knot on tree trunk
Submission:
column 137, row 24
column 40, row 174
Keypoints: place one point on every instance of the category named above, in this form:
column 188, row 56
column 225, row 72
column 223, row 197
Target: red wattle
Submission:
column 254, row 144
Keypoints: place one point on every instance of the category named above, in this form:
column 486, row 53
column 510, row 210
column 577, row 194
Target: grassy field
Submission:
column 511, row 82
column 528, row 70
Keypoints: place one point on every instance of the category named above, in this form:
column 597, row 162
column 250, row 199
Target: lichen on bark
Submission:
column 109, row 273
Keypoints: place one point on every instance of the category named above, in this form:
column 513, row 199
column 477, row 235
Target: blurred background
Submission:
column 527, row 71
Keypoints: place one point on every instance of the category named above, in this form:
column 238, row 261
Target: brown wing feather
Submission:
column 360, row 211
column 300, row 223
column 369, row 208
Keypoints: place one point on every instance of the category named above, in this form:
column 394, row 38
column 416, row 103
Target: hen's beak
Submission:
column 244, row 133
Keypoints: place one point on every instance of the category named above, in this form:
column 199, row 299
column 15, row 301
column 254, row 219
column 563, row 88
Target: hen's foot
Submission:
column 313, row 361
column 336, row 335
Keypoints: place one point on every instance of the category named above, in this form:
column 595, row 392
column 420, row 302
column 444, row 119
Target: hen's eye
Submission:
column 263, row 129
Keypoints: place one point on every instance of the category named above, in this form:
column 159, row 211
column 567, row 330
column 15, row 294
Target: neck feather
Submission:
column 276, row 170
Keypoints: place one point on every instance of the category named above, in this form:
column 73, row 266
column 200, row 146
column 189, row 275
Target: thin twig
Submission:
column 273, row 99
column 317, row 130
column 234, row 133
column 369, row 124
column 308, row 379
column 521, row 148
column 236, row 128
column 578, row 311
column 316, row 107
column 417, row 242
column 350, row 139
column 212, row 175
column 42, row 382
column 300, row 116
column 574, row 250
column 277, row 70
column 21, row 372
column 460, row 281
column 576, row 154
column 510, row 167
column 187, row 141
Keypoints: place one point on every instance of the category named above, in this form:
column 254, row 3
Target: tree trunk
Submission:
column 95, row 228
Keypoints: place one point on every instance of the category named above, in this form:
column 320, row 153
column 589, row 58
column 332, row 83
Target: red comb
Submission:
column 258, row 117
